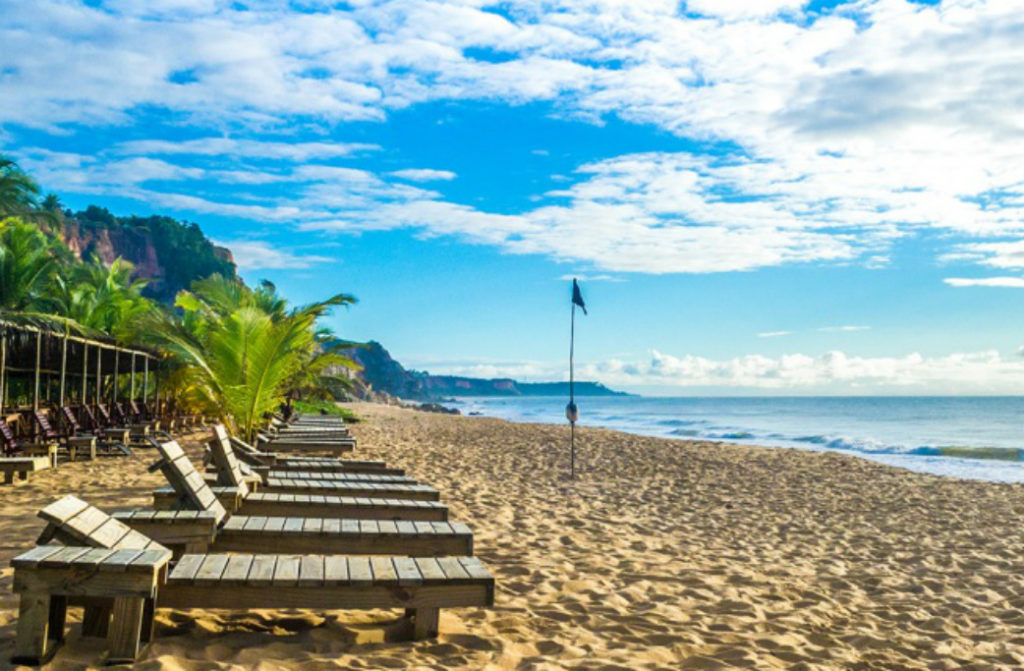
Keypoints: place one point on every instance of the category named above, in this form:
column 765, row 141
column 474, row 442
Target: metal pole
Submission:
column 39, row 356
column 571, row 411
column 63, row 369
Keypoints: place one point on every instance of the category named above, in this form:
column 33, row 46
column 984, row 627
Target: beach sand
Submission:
column 662, row 555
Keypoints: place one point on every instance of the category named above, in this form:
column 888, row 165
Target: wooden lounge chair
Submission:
column 74, row 445
column 304, row 444
column 189, row 491
column 99, row 427
column 249, row 455
column 103, row 443
column 124, row 577
column 229, row 473
column 14, row 448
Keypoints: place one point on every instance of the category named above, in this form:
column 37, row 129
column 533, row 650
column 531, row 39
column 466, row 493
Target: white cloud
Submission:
column 845, row 131
column 774, row 334
column 843, row 329
column 1010, row 282
column 423, row 175
column 584, row 277
column 260, row 255
column 232, row 148
column 832, row 373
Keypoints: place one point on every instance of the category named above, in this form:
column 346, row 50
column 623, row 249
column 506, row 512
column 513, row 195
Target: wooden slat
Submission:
column 294, row 524
column 85, row 522
column 405, row 569
column 475, row 568
column 186, row 567
column 274, row 524
column 63, row 556
column 405, row 527
column 429, row 569
column 119, row 561
column 453, row 570
column 109, row 533
column 312, row 525
column 335, row 570
column 383, row 570
column 387, row 527
column 331, row 526
column 92, row 557
column 368, row 527
column 287, row 570
column 311, row 570
column 212, row 568
column 150, row 558
column 31, row 558
column 63, row 509
column 261, row 573
column 237, row 570
column 359, row 572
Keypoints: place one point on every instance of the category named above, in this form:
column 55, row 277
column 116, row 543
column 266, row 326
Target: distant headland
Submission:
column 381, row 374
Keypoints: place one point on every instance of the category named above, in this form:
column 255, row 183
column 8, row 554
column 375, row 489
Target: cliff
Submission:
column 169, row 252
column 382, row 374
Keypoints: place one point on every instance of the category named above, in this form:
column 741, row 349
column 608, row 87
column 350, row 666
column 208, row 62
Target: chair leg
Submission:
column 148, row 612
column 125, row 630
column 8, row 477
column 36, row 643
column 424, row 623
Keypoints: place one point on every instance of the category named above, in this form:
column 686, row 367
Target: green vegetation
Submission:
column 326, row 407
column 231, row 351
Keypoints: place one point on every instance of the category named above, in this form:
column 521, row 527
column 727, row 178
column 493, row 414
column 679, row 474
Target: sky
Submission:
column 758, row 197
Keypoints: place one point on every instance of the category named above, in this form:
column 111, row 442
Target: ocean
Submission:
column 967, row 437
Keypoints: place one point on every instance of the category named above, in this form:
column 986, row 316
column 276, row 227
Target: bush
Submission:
column 330, row 408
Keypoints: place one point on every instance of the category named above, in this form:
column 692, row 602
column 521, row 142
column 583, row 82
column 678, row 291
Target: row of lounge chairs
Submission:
column 260, row 529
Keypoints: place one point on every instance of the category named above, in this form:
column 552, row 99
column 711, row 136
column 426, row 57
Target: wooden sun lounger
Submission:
column 286, row 462
column 189, row 491
column 399, row 487
column 122, row 576
column 335, row 449
column 22, row 467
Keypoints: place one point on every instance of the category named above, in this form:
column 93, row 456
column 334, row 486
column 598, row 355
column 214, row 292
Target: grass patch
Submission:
column 328, row 407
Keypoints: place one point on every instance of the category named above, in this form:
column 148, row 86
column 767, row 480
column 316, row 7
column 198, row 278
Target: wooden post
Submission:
column 39, row 357
column 145, row 378
column 424, row 623
column 3, row 368
column 117, row 363
column 125, row 629
column 131, row 393
column 63, row 369
column 85, row 371
column 99, row 373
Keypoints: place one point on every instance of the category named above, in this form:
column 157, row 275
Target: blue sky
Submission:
column 769, row 197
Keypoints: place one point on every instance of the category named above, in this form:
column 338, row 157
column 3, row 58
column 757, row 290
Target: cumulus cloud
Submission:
column 260, row 255
column 833, row 372
column 844, row 129
column 423, row 175
column 1009, row 282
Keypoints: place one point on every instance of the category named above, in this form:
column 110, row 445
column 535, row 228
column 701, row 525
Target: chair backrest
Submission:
column 7, row 438
column 227, row 463
column 70, row 421
column 104, row 414
column 94, row 423
column 118, row 412
column 75, row 521
column 187, row 481
column 44, row 426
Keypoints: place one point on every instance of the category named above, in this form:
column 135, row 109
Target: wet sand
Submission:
column 661, row 555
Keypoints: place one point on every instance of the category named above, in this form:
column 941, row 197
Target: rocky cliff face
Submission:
column 170, row 253
column 381, row 374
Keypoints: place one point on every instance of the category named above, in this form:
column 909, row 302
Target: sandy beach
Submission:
column 662, row 555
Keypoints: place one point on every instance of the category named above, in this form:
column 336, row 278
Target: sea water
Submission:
column 967, row 437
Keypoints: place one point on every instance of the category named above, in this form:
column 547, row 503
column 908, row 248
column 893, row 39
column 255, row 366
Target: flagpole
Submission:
column 572, row 395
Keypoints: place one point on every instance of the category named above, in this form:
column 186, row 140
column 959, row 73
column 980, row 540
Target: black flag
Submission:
column 577, row 297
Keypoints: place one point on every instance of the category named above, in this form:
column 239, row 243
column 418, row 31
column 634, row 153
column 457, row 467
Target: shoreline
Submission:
column 957, row 458
column 662, row 555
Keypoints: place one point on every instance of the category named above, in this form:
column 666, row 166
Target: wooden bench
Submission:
column 23, row 466
column 121, row 576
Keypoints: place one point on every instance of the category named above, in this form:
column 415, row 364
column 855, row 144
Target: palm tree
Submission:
column 103, row 298
column 27, row 266
column 238, row 350
column 18, row 191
